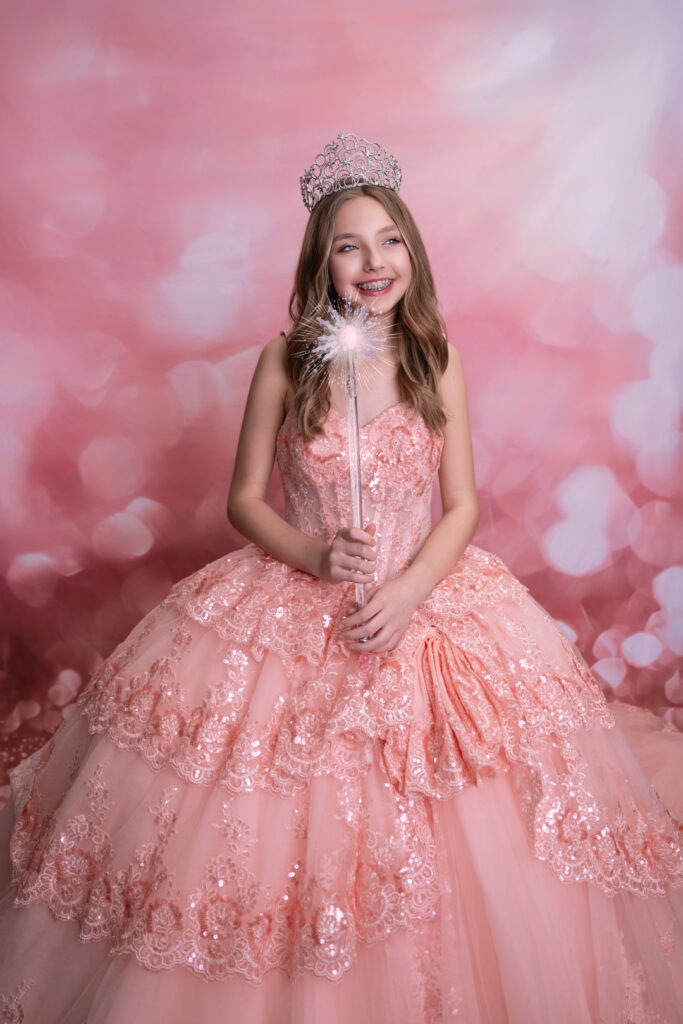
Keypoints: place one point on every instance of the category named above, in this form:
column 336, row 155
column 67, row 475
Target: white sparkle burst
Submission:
column 345, row 337
column 353, row 330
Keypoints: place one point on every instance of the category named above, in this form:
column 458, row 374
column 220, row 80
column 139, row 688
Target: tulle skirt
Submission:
column 241, row 820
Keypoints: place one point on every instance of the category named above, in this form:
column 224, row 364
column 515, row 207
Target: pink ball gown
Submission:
column 243, row 821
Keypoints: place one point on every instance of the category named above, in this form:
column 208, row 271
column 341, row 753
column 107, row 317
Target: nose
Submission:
column 373, row 258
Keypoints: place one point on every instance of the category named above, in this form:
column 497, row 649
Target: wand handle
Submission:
column 353, row 435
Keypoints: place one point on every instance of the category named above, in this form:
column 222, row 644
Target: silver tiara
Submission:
column 346, row 162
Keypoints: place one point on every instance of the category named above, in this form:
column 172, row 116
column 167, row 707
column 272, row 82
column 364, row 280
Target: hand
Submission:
column 384, row 619
column 351, row 556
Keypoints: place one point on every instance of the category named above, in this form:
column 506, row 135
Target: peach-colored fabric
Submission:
column 151, row 224
column 659, row 747
column 242, row 820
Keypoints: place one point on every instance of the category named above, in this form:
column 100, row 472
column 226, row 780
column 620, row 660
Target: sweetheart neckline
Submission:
column 342, row 417
column 373, row 419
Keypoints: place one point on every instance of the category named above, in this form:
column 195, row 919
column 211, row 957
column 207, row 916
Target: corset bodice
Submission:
column 399, row 460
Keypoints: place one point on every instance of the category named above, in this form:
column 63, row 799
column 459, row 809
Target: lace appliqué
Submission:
column 667, row 940
column 572, row 829
column 462, row 697
column 310, row 917
column 636, row 1009
column 399, row 460
column 11, row 1005
column 238, row 680
column 70, row 870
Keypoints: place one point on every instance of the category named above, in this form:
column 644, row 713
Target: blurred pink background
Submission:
column 151, row 221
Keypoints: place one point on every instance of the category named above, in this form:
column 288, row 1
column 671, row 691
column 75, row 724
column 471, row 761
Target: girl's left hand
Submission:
column 384, row 619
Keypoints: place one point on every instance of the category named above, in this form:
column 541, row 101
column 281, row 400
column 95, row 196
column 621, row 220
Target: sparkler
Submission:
column 345, row 337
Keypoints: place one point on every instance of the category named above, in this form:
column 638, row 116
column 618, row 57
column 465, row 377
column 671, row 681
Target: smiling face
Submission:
column 369, row 263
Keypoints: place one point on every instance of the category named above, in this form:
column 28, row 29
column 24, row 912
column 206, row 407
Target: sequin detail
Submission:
column 310, row 916
column 399, row 459
column 239, row 696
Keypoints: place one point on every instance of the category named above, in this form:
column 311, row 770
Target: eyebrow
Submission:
column 390, row 227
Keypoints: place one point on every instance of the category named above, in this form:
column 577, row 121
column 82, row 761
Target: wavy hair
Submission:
column 422, row 340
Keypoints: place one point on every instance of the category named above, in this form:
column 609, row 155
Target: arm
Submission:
column 350, row 556
column 386, row 615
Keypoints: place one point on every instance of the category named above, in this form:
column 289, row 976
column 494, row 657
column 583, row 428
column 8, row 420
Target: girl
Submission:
column 273, row 806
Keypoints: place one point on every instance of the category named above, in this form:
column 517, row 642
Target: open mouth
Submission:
column 375, row 287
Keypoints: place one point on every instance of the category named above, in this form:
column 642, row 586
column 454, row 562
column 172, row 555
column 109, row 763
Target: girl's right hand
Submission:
column 351, row 556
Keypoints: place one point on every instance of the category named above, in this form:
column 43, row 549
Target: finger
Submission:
column 356, row 615
column 356, row 576
column 348, row 550
column 365, row 570
column 382, row 641
column 373, row 600
column 356, row 562
column 357, row 550
column 356, row 636
column 354, row 533
column 344, row 564
column 351, row 621
column 369, row 626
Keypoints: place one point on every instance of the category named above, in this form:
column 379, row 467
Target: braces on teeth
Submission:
column 375, row 287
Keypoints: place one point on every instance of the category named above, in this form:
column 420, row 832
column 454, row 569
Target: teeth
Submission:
column 375, row 286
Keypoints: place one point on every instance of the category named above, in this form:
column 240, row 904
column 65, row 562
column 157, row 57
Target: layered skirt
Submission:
column 243, row 820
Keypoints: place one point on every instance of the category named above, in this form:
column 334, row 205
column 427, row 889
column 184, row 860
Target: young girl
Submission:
column 273, row 806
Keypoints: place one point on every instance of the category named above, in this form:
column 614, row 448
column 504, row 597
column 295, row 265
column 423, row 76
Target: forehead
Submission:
column 361, row 213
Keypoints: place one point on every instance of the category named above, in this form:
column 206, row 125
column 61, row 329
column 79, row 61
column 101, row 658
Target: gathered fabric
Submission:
column 243, row 817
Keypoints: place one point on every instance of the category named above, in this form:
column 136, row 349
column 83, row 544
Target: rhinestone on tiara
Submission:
column 346, row 162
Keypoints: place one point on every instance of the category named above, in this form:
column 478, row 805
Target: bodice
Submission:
column 399, row 460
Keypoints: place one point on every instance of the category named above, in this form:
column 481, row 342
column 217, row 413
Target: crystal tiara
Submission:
column 346, row 162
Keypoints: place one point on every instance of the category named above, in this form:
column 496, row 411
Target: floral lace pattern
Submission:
column 577, row 836
column 399, row 458
column 238, row 688
column 11, row 1005
column 636, row 1008
column 361, row 890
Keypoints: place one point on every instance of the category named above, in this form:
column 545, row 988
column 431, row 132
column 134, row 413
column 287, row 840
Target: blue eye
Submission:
column 397, row 240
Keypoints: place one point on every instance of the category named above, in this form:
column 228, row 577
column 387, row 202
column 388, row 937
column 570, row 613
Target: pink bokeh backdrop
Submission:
column 151, row 221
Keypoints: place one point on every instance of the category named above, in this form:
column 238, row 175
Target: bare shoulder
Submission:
column 271, row 369
column 454, row 368
column 274, row 354
column 452, row 384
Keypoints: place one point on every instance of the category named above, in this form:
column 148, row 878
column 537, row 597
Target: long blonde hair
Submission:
column 422, row 341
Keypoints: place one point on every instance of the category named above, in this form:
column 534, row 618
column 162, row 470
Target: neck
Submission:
column 386, row 325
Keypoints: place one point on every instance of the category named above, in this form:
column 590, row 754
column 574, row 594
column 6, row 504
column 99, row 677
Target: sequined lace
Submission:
column 399, row 458
column 11, row 1004
column 238, row 684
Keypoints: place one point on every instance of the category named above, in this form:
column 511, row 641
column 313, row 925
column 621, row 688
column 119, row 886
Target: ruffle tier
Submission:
column 239, row 797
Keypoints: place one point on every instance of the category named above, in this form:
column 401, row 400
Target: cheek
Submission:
column 341, row 273
column 405, row 268
column 333, row 271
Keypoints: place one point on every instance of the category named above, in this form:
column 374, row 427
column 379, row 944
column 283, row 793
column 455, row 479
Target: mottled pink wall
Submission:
column 150, row 226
